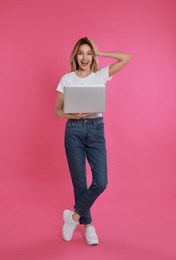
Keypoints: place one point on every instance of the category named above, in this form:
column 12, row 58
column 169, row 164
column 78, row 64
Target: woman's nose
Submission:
column 84, row 56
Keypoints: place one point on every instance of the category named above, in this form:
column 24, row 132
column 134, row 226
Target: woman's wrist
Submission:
column 70, row 116
column 99, row 53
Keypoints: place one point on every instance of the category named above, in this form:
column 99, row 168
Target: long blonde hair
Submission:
column 73, row 61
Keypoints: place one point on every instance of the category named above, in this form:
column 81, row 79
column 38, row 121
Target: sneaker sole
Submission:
column 92, row 243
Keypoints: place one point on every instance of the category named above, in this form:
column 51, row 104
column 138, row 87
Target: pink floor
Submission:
column 136, row 225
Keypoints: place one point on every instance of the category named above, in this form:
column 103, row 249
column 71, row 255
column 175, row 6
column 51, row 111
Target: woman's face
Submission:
column 84, row 57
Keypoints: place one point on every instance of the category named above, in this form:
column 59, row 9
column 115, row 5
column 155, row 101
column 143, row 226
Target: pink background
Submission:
column 135, row 217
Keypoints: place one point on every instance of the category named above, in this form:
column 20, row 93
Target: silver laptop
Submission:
column 84, row 99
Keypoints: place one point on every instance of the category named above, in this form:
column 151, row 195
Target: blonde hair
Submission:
column 73, row 61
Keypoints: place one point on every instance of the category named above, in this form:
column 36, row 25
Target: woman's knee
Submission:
column 101, row 186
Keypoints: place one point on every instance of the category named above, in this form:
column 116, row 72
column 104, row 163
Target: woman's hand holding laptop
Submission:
column 83, row 115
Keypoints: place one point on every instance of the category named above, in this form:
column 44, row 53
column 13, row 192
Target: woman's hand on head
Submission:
column 94, row 46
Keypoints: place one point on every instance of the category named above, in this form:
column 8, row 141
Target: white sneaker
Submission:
column 91, row 235
column 69, row 226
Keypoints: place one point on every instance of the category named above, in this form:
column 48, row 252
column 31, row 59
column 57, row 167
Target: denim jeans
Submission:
column 84, row 139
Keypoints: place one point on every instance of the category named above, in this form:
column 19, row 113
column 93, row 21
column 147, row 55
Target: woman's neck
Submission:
column 82, row 73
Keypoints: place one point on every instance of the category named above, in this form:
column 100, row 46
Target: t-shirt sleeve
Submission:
column 61, row 85
column 104, row 73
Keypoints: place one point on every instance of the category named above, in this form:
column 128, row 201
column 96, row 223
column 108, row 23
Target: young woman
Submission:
column 84, row 136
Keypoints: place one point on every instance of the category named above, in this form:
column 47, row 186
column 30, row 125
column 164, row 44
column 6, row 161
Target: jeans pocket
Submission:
column 100, row 126
column 71, row 124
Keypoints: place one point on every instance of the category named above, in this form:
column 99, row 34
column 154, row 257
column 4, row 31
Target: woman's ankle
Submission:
column 87, row 225
column 76, row 217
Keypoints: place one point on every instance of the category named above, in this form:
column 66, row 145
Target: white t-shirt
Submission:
column 95, row 78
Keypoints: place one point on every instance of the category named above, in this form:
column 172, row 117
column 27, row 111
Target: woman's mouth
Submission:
column 84, row 63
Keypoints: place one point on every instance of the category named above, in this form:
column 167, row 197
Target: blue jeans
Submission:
column 84, row 138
